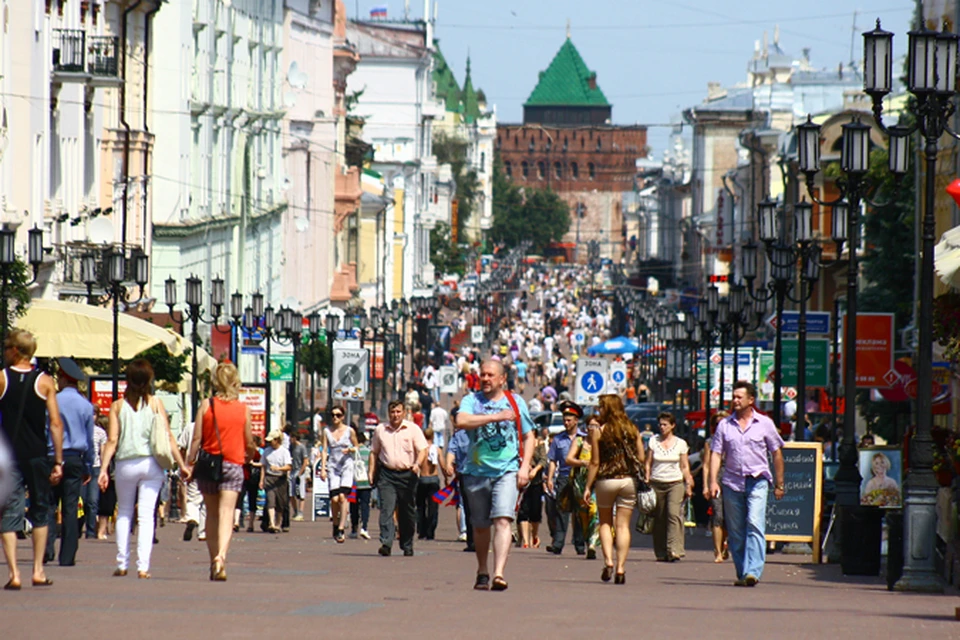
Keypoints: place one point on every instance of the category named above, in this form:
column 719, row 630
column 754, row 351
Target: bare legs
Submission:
column 220, row 509
column 502, row 537
column 39, row 547
column 622, row 527
column 525, row 537
column 719, row 539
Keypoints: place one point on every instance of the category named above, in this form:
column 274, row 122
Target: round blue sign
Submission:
column 618, row 376
column 592, row 382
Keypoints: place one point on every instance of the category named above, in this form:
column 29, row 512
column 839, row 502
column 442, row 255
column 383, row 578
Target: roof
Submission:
column 471, row 104
column 567, row 82
column 447, row 88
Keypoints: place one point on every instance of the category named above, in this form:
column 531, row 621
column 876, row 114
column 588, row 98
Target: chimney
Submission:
column 592, row 81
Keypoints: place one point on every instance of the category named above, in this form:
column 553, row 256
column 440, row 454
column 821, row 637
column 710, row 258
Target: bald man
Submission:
column 493, row 472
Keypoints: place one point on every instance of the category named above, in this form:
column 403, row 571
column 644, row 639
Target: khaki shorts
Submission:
column 622, row 491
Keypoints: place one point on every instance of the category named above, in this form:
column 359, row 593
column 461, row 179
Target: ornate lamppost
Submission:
column 8, row 260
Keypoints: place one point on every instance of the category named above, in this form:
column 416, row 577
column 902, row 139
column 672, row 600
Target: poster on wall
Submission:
column 101, row 392
column 255, row 398
column 882, row 471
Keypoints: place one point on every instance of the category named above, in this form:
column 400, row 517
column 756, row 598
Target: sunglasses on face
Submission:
column 337, row 415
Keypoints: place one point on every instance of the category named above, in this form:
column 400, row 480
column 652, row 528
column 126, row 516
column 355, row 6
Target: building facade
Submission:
column 568, row 144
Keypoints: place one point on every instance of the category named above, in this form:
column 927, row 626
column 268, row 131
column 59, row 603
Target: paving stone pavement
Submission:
column 304, row 583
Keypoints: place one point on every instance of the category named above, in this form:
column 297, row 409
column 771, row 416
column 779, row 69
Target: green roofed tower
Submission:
column 567, row 93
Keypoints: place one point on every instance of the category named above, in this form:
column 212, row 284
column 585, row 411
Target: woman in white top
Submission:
column 668, row 471
column 337, row 449
column 138, row 476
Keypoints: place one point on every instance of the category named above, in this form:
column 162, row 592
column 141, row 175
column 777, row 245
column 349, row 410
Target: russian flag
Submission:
column 379, row 11
column 449, row 492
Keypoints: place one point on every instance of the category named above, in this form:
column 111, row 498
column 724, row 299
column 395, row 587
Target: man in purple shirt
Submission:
column 744, row 439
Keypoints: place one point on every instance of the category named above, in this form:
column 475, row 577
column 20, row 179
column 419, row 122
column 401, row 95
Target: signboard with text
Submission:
column 875, row 347
column 101, row 392
column 255, row 398
column 818, row 365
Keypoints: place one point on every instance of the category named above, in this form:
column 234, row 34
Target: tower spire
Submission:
column 568, row 28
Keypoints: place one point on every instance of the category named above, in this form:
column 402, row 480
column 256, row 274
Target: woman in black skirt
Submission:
column 531, row 504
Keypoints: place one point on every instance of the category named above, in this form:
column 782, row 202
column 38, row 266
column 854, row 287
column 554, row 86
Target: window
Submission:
column 508, row 169
column 574, row 170
column 599, row 144
column 582, row 143
column 565, row 144
column 548, row 145
column 483, row 161
column 531, row 147
column 525, row 169
column 541, row 170
column 592, row 171
column 558, row 170
column 498, row 143
column 516, row 142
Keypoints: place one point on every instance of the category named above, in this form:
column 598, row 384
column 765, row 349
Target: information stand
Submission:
column 796, row 517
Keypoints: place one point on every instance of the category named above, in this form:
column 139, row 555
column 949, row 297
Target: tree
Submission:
column 168, row 370
column 316, row 357
column 537, row 215
column 444, row 254
column 453, row 151
column 18, row 294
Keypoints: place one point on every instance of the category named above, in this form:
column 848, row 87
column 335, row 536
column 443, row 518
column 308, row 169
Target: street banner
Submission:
column 377, row 359
column 766, row 373
column 591, row 380
column 818, row 363
column 875, row 347
column 351, row 373
column 281, row 367
column 818, row 322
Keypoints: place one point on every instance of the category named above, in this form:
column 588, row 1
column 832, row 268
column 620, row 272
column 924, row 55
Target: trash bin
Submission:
column 894, row 547
column 860, row 548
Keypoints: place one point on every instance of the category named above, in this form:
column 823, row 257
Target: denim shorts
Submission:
column 491, row 498
column 32, row 475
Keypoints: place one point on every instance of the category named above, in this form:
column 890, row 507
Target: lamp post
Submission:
column 292, row 324
column 112, row 274
column 316, row 326
column 931, row 78
column 255, row 317
column 8, row 259
column 332, row 324
column 375, row 322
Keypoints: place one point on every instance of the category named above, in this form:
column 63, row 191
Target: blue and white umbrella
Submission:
column 619, row 346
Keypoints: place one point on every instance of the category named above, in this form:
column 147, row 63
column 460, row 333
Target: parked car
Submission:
column 553, row 420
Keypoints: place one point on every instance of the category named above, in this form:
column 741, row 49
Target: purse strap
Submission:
column 519, row 422
column 213, row 410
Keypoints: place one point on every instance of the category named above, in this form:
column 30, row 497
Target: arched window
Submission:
column 483, row 161
column 516, row 142
column 592, row 171
column 574, row 170
column 549, row 144
column 599, row 144
column 558, row 170
column 565, row 144
column 508, row 169
column 525, row 169
column 530, row 146
column 541, row 170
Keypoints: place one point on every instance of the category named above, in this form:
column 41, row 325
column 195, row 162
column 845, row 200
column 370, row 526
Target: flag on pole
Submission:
column 380, row 11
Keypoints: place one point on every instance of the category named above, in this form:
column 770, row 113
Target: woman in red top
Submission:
column 224, row 413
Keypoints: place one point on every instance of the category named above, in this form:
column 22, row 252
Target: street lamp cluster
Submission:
column 8, row 258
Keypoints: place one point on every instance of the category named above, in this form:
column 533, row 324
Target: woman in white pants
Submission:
column 138, row 476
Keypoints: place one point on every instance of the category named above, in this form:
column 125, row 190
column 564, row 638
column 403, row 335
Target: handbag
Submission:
column 160, row 447
column 209, row 466
column 646, row 496
column 360, row 474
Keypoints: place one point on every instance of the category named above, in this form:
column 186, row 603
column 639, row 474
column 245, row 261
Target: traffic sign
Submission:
column 578, row 337
column 448, row 379
column 818, row 322
column 591, row 380
column 476, row 334
column 351, row 373
column 618, row 374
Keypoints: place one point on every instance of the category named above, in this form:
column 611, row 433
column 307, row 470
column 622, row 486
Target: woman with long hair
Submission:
column 668, row 470
column 720, row 551
column 336, row 466
column 223, row 428
column 616, row 460
column 138, row 475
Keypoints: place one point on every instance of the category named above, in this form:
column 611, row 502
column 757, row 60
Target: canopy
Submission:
column 86, row 331
column 618, row 345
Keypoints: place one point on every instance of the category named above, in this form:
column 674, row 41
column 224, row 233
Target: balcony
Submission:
column 81, row 58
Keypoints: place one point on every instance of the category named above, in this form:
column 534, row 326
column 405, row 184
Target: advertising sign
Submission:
column 766, row 372
column 378, row 359
column 101, row 392
column 281, row 367
column 255, row 398
column 874, row 350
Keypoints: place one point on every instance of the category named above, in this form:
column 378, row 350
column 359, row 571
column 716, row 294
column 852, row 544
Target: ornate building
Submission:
column 568, row 144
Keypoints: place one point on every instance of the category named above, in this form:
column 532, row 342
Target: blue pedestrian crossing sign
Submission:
column 591, row 380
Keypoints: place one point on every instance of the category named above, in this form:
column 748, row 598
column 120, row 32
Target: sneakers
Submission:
column 188, row 532
column 353, row 535
column 364, row 534
column 462, row 537
column 591, row 554
column 750, row 580
column 298, row 518
column 384, row 550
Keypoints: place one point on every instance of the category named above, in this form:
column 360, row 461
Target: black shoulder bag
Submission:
column 209, row 466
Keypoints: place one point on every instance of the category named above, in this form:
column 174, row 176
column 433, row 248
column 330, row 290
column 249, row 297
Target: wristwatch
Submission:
column 779, row 487
column 58, row 464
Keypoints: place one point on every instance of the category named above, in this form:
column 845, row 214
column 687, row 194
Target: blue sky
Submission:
column 652, row 59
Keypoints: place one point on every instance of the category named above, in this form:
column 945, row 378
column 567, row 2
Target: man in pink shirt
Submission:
column 744, row 439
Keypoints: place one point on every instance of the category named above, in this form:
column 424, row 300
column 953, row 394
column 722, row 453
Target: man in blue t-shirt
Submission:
column 493, row 471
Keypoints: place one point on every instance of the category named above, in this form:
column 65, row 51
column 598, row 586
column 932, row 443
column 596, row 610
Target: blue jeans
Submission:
column 745, row 514
column 91, row 503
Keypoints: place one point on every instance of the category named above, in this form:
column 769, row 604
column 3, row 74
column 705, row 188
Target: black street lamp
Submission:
column 292, row 323
column 256, row 317
column 194, row 303
column 8, row 258
column 931, row 78
column 111, row 275
column 332, row 325
column 315, row 326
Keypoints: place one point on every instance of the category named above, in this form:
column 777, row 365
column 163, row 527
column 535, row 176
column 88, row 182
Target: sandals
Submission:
column 12, row 586
column 218, row 572
column 607, row 573
column 143, row 575
column 340, row 537
column 482, row 583
column 620, row 578
column 499, row 584
column 46, row 582
column 119, row 573
column 536, row 542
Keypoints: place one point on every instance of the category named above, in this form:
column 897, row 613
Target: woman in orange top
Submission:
column 224, row 413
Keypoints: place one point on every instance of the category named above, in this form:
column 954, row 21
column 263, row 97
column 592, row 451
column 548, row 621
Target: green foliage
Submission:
column 316, row 357
column 445, row 256
column 537, row 215
column 453, row 151
column 18, row 295
column 168, row 369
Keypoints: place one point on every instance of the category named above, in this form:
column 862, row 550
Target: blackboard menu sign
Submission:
column 796, row 517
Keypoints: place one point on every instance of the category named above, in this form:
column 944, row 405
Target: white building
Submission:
column 75, row 140
column 219, row 205
column 395, row 96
